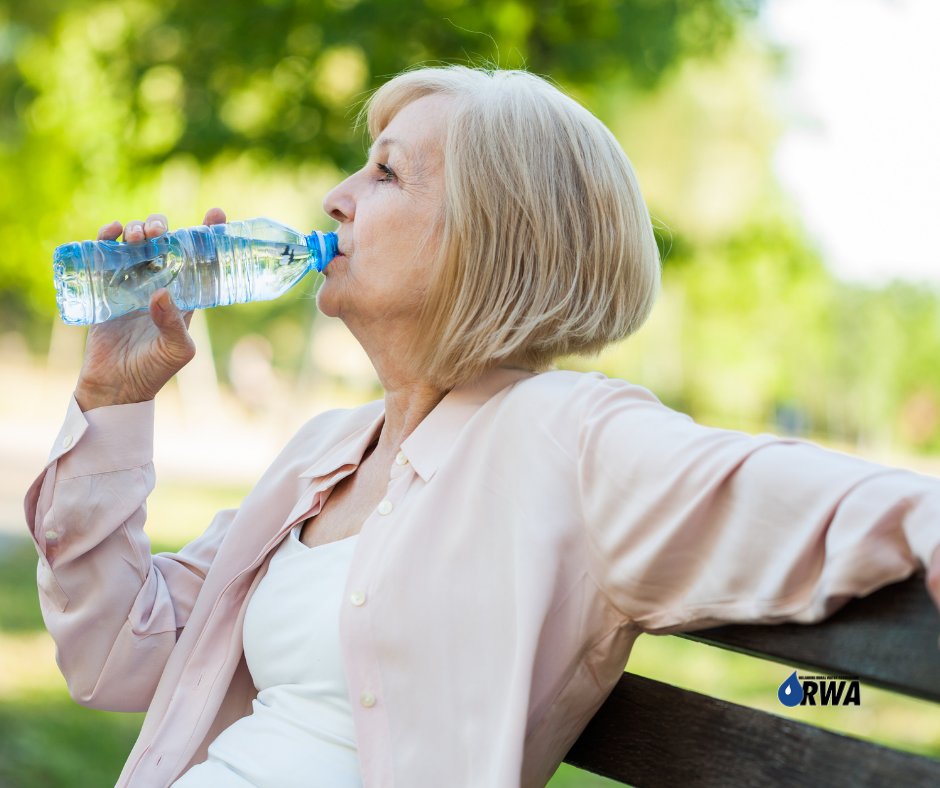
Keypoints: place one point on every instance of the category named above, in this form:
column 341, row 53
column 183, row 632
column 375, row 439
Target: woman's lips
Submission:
column 337, row 256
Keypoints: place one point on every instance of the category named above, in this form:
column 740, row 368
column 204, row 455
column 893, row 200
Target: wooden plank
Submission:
column 650, row 734
column 888, row 639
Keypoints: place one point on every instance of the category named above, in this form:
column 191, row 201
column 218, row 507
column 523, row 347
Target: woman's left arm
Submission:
column 692, row 526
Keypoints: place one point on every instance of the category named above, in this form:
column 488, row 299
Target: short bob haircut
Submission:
column 547, row 248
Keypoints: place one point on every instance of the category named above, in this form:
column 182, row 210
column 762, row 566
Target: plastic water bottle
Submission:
column 254, row 260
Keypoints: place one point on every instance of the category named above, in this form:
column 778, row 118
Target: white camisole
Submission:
column 300, row 731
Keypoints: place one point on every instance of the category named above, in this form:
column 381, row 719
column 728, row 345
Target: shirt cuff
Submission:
column 103, row 440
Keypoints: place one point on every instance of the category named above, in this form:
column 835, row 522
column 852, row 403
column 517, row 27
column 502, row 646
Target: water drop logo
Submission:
column 790, row 692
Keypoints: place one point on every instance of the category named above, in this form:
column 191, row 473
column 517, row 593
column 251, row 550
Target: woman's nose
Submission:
column 339, row 202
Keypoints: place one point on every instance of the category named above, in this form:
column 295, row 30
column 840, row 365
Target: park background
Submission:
column 115, row 109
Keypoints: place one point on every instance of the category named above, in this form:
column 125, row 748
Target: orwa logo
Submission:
column 827, row 690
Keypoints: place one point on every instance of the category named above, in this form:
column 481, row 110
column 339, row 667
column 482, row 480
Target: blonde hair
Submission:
column 547, row 245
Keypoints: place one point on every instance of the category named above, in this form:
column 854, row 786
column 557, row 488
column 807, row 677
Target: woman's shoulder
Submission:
column 558, row 404
column 572, row 389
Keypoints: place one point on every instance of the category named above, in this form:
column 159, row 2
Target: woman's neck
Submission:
column 406, row 406
column 408, row 396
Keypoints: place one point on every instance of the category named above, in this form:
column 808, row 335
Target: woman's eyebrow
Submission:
column 387, row 142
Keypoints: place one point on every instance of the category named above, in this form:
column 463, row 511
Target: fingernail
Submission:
column 156, row 226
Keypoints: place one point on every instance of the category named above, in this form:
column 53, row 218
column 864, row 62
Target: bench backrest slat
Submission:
column 650, row 734
column 888, row 639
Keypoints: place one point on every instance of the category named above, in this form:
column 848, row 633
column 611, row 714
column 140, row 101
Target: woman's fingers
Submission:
column 136, row 230
column 110, row 232
column 156, row 225
column 133, row 232
column 214, row 216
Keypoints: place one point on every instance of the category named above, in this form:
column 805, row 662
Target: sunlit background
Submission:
column 787, row 150
column 859, row 152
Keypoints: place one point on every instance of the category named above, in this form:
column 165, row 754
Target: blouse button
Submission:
column 367, row 699
column 357, row 598
column 67, row 441
column 385, row 507
column 52, row 535
column 401, row 459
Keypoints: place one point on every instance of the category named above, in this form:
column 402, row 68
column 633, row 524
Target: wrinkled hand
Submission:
column 129, row 359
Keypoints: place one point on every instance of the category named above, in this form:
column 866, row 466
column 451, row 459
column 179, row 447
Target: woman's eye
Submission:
column 387, row 173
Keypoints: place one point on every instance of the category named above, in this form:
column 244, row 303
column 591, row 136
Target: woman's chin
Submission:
column 326, row 303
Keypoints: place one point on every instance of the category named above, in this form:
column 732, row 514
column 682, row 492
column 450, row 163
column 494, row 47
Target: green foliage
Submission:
column 281, row 76
column 112, row 109
column 96, row 95
column 753, row 331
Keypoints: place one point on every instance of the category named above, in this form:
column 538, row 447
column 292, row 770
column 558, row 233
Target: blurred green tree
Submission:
column 96, row 95
column 281, row 75
column 114, row 108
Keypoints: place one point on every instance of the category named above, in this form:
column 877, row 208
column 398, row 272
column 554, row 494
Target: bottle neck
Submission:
column 324, row 248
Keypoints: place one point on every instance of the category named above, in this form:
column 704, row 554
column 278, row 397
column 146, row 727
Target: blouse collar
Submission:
column 429, row 443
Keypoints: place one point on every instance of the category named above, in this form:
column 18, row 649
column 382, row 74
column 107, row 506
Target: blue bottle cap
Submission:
column 326, row 246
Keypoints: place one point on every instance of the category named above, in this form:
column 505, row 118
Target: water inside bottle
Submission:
column 225, row 269
column 217, row 275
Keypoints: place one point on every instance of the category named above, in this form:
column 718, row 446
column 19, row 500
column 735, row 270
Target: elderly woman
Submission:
column 440, row 588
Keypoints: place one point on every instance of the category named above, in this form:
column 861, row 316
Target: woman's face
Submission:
column 379, row 281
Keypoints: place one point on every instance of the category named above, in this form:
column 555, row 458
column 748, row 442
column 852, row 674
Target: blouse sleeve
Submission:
column 691, row 526
column 113, row 610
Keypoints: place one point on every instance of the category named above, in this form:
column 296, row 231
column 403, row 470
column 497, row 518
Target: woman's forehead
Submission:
column 420, row 123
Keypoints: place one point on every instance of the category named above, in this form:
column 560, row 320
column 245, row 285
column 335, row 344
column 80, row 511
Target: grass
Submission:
column 48, row 740
column 45, row 738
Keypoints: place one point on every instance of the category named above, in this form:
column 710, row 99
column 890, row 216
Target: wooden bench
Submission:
column 650, row 734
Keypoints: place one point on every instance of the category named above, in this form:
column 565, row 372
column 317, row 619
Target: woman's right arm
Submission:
column 114, row 610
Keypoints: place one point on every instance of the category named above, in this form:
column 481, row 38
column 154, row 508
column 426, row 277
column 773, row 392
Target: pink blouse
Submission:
column 532, row 528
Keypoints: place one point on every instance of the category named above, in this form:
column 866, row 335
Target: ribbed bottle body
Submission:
column 254, row 260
